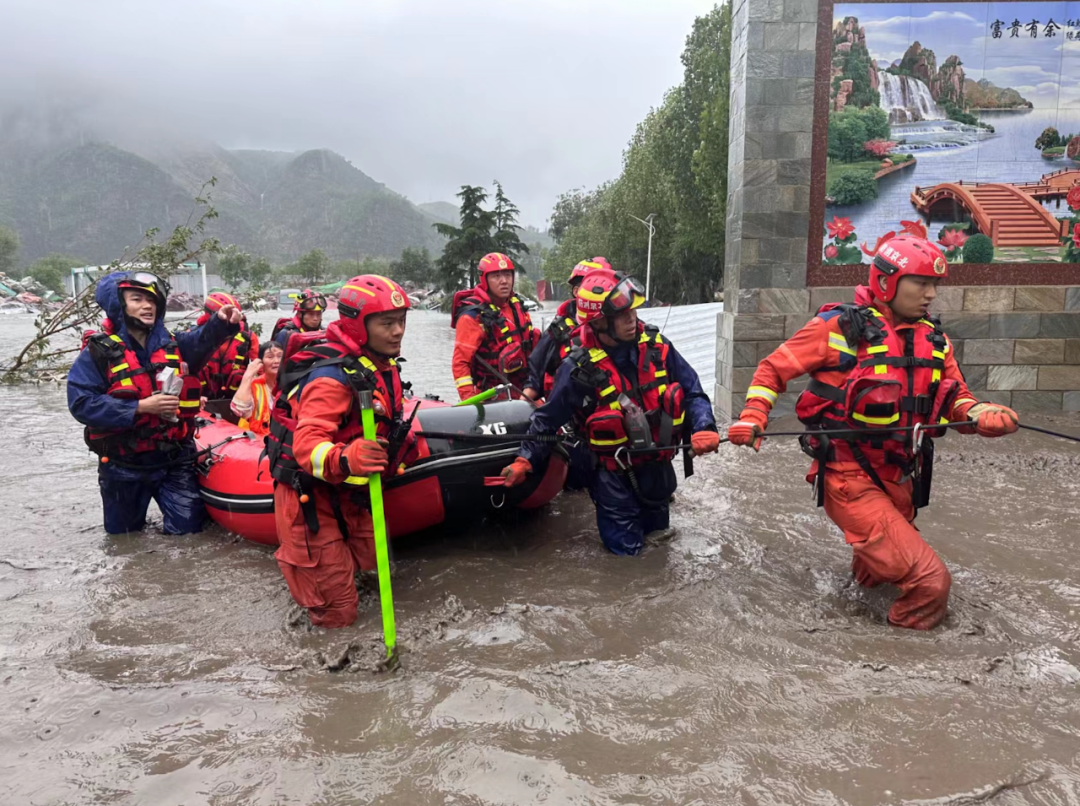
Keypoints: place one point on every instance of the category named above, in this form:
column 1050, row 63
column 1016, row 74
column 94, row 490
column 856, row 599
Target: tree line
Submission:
column 674, row 167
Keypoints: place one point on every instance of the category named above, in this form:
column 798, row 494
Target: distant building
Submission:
column 190, row 278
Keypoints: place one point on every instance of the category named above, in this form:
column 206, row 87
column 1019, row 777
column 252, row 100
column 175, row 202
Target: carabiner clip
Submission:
column 618, row 459
column 916, row 438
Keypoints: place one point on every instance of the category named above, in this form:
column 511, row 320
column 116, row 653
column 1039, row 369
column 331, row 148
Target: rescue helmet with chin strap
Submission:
column 145, row 281
column 309, row 300
column 604, row 292
column 905, row 256
column 491, row 263
column 364, row 296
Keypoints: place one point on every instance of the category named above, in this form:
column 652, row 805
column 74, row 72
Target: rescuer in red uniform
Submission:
column 492, row 327
column 223, row 372
column 318, row 456
column 878, row 364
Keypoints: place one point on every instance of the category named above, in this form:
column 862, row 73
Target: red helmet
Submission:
column 145, row 281
column 491, row 263
column 905, row 256
column 363, row 296
column 605, row 293
column 218, row 300
column 584, row 267
column 309, row 300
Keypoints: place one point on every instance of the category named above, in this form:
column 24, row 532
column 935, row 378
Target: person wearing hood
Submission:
column 224, row 370
column 629, row 388
column 307, row 317
column 319, row 458
column 880, row 363
column 494, row 335
column 145, row 438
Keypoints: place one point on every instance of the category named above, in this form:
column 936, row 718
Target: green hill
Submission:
column 93, row 199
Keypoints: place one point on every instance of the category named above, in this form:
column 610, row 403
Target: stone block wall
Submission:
column 1017, row 346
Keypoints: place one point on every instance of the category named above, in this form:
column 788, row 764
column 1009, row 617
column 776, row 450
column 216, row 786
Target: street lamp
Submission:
column 648, row 261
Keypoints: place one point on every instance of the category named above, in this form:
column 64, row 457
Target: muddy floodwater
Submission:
column 736, row 664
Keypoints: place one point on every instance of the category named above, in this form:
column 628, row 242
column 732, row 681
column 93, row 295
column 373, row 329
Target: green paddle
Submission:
column 382, row 554
column 480, row 398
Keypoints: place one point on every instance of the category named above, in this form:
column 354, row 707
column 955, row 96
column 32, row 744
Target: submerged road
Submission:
column 737, row 663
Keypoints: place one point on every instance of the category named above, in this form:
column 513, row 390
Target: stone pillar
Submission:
column 771, row 132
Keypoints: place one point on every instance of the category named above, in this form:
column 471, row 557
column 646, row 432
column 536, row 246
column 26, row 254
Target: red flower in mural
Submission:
column 952, row 238
column 831, row 251
column 916, row 228
column 879, row 147
column 840, row 227
column 1076, row 236
column 1073, row 199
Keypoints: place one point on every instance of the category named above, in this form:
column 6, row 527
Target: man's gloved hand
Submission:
column 705, row 442
column 992, row 420
column 748, row 430
column 515, row 473
column 365, row 457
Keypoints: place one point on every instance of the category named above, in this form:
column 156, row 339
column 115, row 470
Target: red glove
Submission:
column 705, row 442
column 365, row 457
column 515, row 474
column 748, row 430
column 993, row 420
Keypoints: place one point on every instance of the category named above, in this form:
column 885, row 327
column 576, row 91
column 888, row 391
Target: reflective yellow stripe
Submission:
column 367, row 291
column 964, row 400
column 505, row 329
column 763, row 392
column 875, row 420
column 189, row 404
column 880, row 369
column 679, row 420
column 881, row 348
column 838, row 342
column 936, row 376
column 874, row 312
column 662, row 389
column 661, row 373
column 173, row 357
column 464, row 381
column 606, row 392
column 938, row 354
column 118, row 367
column 615, row 406
column 926, row 322
column 318, row 458
column 295, row 389
column 239, row 337
column 127, row 382
column 359, row 481
column 607, row 441
column 114, row 337
column 948, row 345
column 596, row 355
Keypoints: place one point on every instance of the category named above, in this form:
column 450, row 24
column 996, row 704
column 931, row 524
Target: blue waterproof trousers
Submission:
column 126, row 493
column 621, row 516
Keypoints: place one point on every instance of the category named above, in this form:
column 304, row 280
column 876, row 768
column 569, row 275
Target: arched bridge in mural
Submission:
column 1011, row 214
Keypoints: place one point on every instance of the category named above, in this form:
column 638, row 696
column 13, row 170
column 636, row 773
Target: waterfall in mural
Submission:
column 907, row 99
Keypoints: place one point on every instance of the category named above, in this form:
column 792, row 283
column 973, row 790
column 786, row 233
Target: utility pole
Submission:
column 648, row 222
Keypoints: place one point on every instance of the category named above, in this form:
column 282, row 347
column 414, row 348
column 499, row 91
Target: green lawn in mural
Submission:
column 960, row 121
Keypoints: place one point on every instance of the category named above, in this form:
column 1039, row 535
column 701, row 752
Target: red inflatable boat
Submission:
column 445, row 481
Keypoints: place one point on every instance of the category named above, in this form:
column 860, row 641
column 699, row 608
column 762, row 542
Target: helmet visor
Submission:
column 144, row 279
column 315, row 303
column 627, row 294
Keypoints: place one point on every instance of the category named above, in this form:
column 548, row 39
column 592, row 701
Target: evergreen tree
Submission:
column 466, row 244
column 507, row 239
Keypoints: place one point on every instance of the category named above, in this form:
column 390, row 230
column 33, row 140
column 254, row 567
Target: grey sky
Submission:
column 551, row 89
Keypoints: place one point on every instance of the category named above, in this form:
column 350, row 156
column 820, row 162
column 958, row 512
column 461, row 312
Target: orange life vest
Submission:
column 659, row 401
column 506, row 345
column 221, row 376
column 127, row 380
column 885, row 379
column 313, row 352
column 261, row 406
